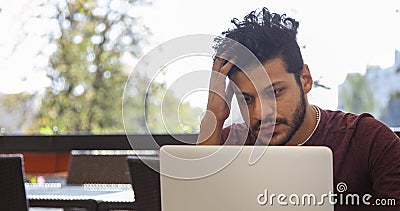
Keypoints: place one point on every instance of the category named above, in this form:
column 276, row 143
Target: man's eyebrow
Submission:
column 264, row 90
column 242, row 93
column 272, row 85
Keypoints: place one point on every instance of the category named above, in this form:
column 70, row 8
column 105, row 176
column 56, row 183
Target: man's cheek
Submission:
column 245, row 113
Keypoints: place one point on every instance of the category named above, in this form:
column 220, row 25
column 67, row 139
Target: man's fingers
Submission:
column 223, row 66
column 229, row 93
column 228, row 66
column 218, row 63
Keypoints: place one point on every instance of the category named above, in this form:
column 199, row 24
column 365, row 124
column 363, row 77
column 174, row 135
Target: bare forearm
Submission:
column 210, row 131
column 218, row 103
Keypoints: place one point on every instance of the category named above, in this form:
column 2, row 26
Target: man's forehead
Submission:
column 250, row 78
column 272, row 68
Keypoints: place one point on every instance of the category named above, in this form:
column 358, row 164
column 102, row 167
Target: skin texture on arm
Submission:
column 219, row 99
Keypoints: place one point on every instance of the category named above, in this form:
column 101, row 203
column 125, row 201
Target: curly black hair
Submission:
column 268, row 36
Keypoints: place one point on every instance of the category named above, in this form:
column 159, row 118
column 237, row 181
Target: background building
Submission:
column 377, row 91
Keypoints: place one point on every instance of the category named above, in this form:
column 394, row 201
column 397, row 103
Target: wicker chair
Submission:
column 97, row 168
column 12, row 186
column 145, row 182
column 101, row 166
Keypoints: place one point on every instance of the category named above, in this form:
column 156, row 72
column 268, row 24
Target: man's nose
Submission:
column 263, row 109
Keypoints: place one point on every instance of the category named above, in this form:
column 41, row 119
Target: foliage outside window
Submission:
column 90, row 39
column 85, row 50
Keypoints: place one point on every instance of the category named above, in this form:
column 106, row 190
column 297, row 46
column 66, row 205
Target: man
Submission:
column 273, row 101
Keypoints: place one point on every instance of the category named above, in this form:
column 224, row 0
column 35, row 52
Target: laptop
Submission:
column 246, row 178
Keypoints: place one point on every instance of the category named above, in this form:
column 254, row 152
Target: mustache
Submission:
column 278, row 120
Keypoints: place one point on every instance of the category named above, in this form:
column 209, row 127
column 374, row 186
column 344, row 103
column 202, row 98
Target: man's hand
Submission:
column 219, row 101
column 220, row 96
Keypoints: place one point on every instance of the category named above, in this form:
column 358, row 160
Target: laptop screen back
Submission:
column 224, row 178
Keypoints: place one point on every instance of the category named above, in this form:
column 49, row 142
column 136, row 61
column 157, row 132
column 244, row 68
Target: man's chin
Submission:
column 271, row 140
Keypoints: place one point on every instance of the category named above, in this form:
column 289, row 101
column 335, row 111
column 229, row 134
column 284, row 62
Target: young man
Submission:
column 273, row 101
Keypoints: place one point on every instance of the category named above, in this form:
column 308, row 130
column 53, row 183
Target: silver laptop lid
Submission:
column 225, row 178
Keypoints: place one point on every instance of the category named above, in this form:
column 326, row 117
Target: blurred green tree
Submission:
column 86, row 69
column 87, row 72
column 356, row 95
column 150, row 107
column 15, row 112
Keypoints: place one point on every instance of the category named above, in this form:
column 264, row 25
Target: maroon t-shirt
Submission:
column 366, row 156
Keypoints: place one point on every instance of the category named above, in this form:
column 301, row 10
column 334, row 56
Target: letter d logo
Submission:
column 262, row 198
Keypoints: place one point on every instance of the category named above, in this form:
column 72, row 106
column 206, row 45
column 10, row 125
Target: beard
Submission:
column 294, row 122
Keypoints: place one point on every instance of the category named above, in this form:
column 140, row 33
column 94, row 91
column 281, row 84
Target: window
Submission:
column 65, row 64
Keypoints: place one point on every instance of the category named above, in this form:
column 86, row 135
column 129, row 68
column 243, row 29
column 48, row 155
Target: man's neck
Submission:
column 306, row 128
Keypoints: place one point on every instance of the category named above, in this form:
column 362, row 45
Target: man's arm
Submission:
column 384, row 162
column 385, row 169
column 219, row 99
column 210, row 130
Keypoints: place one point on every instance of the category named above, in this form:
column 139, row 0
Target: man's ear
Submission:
column 306, row 79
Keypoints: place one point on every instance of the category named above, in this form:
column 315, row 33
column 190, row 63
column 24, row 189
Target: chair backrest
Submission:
column 12, row 185
column 145, row 182
column 100, row 166
column 90, row 168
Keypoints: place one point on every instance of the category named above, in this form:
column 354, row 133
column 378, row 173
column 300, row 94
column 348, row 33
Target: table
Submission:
column 89, row 196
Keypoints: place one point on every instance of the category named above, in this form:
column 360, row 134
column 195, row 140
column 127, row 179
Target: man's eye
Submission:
column 277, row 91
column 248, row 99
column 274, row 93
